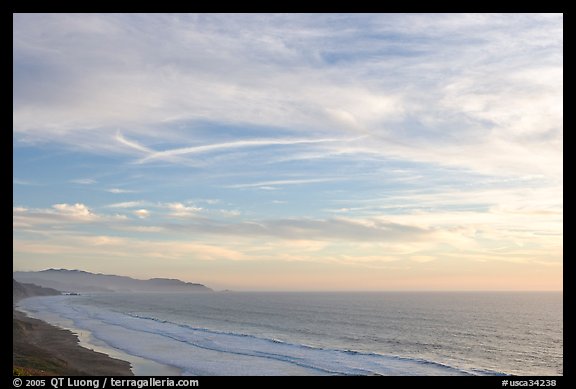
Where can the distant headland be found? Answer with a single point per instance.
(78, 281)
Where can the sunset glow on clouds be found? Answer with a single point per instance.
(285, 152)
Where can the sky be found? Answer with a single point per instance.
(354, 152)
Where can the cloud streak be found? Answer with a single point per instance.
(119, 191)
(84, 181)
(274, 183)
(167, 154)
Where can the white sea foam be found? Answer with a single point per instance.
(200, 351)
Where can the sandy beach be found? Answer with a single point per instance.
(39, 348)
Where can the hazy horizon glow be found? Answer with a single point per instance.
(292, 152)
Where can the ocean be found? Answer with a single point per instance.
(388, 333)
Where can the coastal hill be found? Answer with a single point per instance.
(82, 281)
(22, 290)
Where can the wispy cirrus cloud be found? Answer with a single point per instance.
(119, 190)
(17, 181)
(84, 181)
(167, 154)
(115, 247)
(394, 82)
(128, 204)
(274, 183)
(132, 144)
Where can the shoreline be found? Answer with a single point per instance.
(39, 348)
(42, 348)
